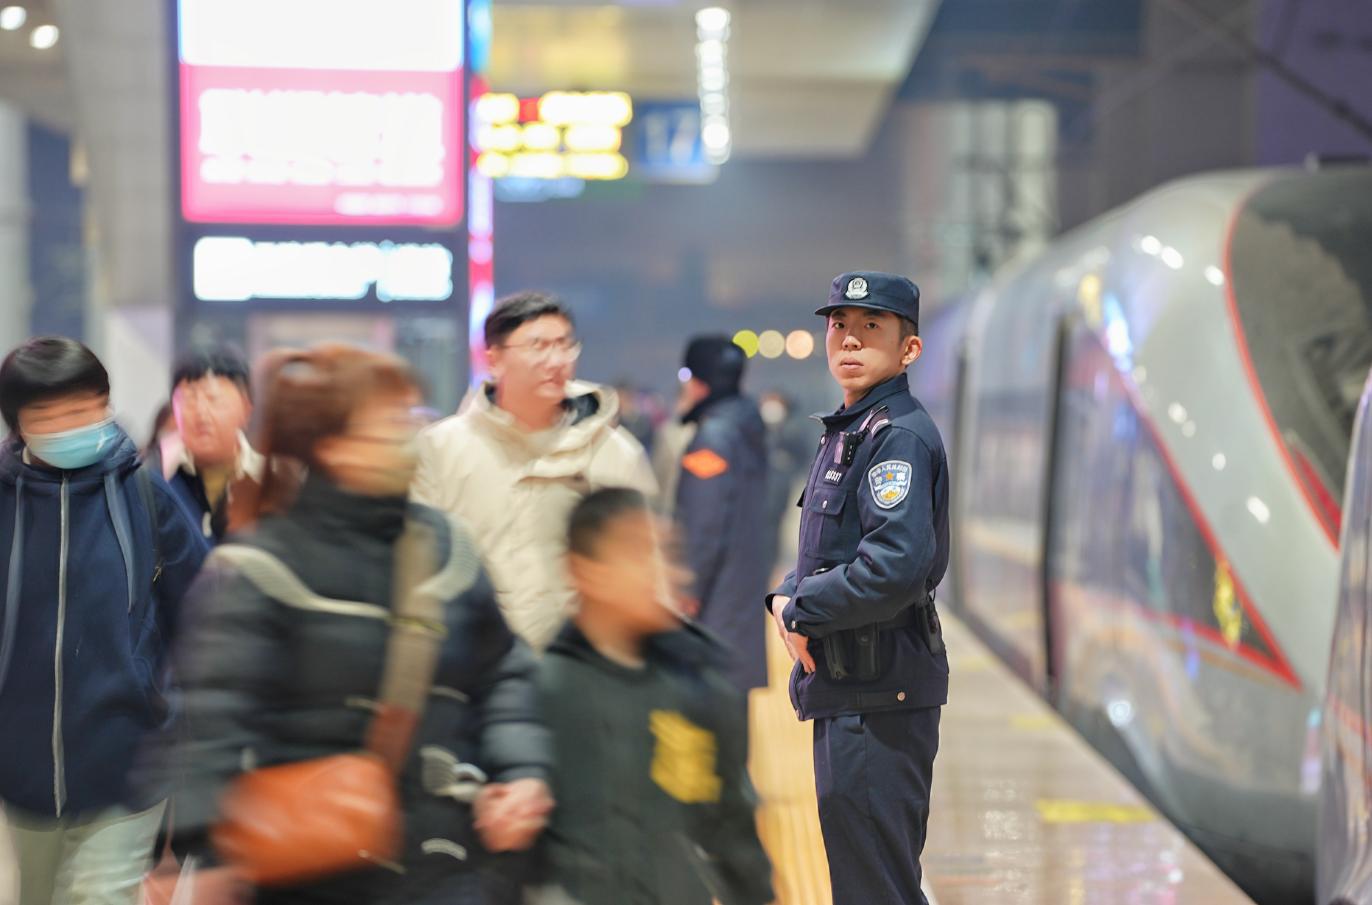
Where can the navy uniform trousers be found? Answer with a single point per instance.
(873, 774)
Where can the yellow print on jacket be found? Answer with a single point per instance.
(685, 758)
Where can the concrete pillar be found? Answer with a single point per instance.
(16, 293)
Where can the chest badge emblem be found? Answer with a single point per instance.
(890, 483)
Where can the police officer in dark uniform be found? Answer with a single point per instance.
(857, 614)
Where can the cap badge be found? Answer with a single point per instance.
(857, 288)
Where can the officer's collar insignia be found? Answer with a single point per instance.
(857, 289)
(890, 483)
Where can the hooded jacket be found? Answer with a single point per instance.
(88, 626)
(516, 490)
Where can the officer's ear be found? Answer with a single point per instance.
(912, 347)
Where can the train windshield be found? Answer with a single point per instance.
(1300, 266)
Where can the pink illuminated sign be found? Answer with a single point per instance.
(306, 112)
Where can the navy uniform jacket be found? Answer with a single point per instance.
(721, 506)
(873, 541)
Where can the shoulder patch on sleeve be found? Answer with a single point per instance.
(705, 464)
(890, 482)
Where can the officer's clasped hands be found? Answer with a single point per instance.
(798, 646)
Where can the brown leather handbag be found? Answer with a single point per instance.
(289, 824)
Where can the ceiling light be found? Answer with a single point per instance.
(712, 21)
(800, 344)
(714, 102)
(713, 79)
(711, 51)
(771, 344)
(44, 37)
(746, 340)
(715, 135)
(712, 83)
(13, 18)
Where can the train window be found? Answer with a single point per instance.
(1155, 555)
(1301, 281)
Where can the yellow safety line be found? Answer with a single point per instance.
(782, 768)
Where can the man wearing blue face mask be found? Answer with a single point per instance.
(94, 557)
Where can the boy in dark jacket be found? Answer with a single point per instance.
(95, 555)
(654, 803)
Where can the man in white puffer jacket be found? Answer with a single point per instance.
(523, 449)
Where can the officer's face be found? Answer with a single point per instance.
(865, 347)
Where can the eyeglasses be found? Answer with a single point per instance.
(565, 348)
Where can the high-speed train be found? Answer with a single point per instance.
(1148, 428)
(1344, 860)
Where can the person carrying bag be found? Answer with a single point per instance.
(346, 672)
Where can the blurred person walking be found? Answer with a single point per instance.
(525, 448)
(655, 806)
(287, 655)
(96, 555)
(721, 504)
(207, 460)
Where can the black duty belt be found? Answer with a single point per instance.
(855, 653)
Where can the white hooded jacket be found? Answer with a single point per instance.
(516, 490)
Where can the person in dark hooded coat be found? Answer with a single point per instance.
(721, 504)
(95, 555)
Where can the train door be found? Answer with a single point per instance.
(1003, 453)
(1344, 852)
(1085, 497)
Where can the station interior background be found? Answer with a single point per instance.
(935, 139)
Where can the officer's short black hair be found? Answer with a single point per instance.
(47, 367)
(225, 361)
(594, 514)
(514, 311)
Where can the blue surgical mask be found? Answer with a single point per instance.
(69, 450)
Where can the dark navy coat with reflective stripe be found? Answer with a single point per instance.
(721, 506)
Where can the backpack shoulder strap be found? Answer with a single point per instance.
(150, 506)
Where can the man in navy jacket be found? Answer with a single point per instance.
(95, 554)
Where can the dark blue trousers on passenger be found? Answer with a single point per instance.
(873, 773)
